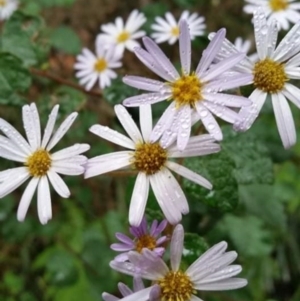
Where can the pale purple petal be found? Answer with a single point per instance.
(143, 83)
(144, 99)
(228, 284)
(185, 47)
(176, 247)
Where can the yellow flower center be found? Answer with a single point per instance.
(149, 158)
(100, 65)
(2, 3)
(176, 286)
(123, 36)
(186, 90)
(277, 5)
(145, 241)
(269, 76)
(38, 163)
(175, 31)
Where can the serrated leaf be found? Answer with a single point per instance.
(219, 170)
(253, 162)
(194, 247)
(248, 235)
(261, 201)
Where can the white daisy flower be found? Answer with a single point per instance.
(168, 29)
(212, 271)
(193, 91)
(123, 35)
(7, 7)
(284, 11)
(271, 75)
(244, 47)
(92, 68)
(151, 160)
(39, 164)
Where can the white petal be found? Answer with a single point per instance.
(44, 201)
(234, 101)
(30, 127)
(228, 284)
(146, 121)
(142, 295)
(58, 184)
(184, 130)
(164, 122)
(50, 125)
(188, 174)
(249, 114)
(62, 130)
(113, 161)
(164, 199)
(284, 120)
(70, 151)
(69, 169)
(260, 32)
(17, 176)
(138, 199)
(185, 47)
(128, 124)
(26, 199)
(292, 93)
(176, 247)
(209, 121)
(15, 136)
(194, 150)
(112, 136)
(147, 98)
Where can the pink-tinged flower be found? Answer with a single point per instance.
(143, 238)
(40, 165)
(210, 272)
(123, 36)
(125, 291)
(152, 162)
(284, 11)
(191, 92)
(271, 75)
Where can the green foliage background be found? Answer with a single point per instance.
(255, 203)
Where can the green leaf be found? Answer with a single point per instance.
(219, 170)
(13, 282)
(248, 235)
(194, 247)
(262, 201)
(14, 79)
(19, 35)
(117, 92)
(251, 156)
(65, 39)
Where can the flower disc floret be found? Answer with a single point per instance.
(149, 158)
(145, 241)
(123, 37)
(186, 90)
(2, 3)
(269, 76)
(100, 65)
(175, 31)
(176, 286)
(39, 163)
(277, 5)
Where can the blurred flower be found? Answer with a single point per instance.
(123, 36)
(284, 11)
(168, 29)
(93, 68)
(210, 272)
(244, 47)
(125, 291)
(196, 91)
(271, 75)
(142, 239)
(39, 163)
(151, 160)
(7, 7)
